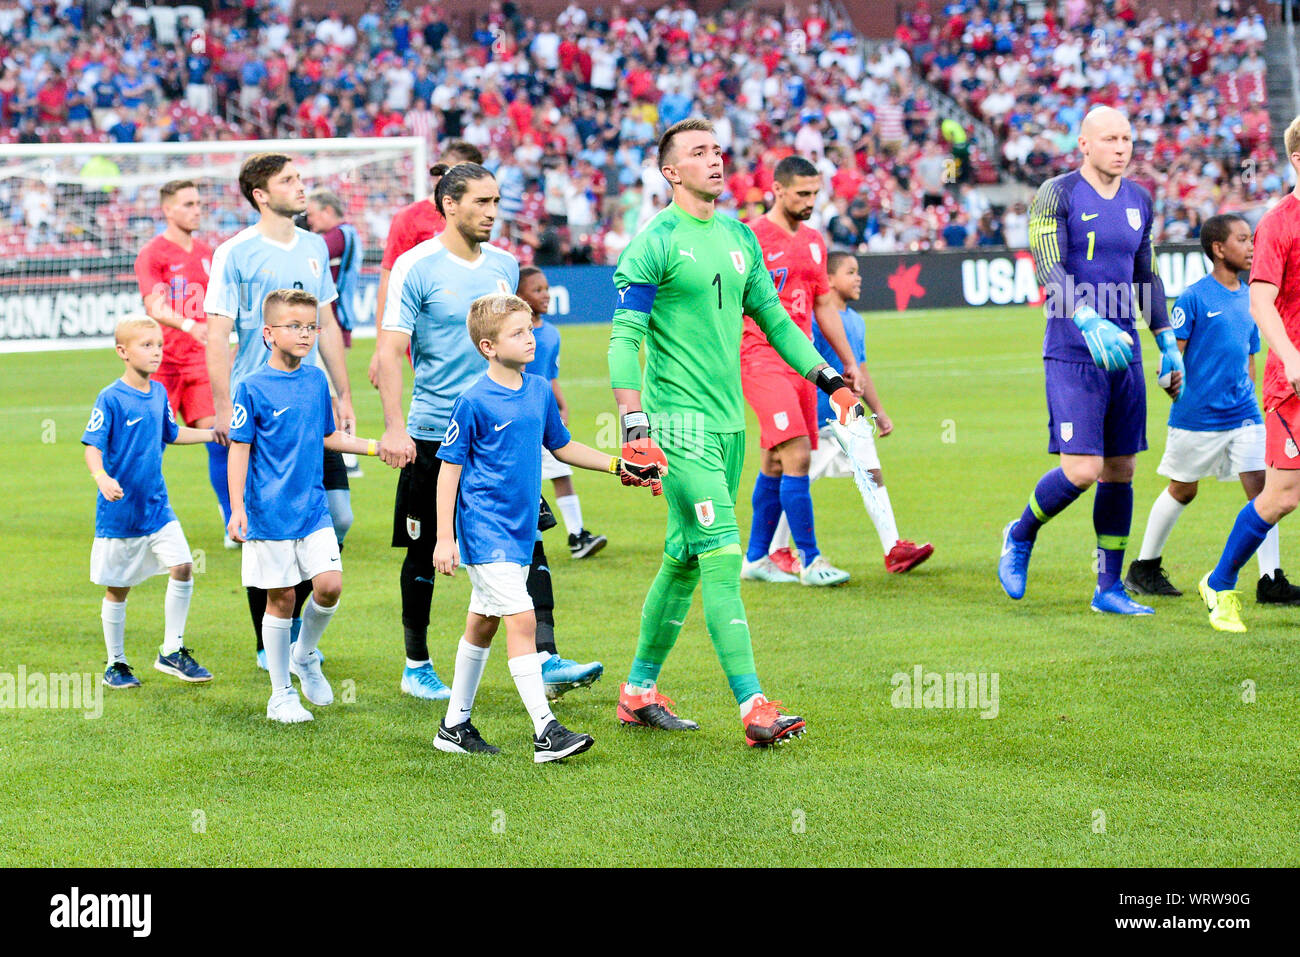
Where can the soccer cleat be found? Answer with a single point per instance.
(285, 708)
(765, 570)
(556, 742)
(1115, 601)
(560, 675)
(118, 675)
(462, 739)
(293, 639)
(314, 686)
(261, 658)
(353, 465)
(182, 665)
(785, 560)
(822, 573)
(585, 544)
(1013, 564)
(652, 710)
(905, 556)
(423, 682)
(231, 544)
(1148, 577)
(1276, 590)
(768, 724)
(1224, 606)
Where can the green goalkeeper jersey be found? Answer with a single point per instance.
(684, 287)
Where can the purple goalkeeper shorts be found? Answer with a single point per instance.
(1093, 412)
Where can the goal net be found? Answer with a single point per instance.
(74, 215)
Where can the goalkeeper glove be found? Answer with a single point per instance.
(843, 401)
(1171, 361)
(1111, 347)
(641, 457)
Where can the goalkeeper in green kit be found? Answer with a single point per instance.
(684, 285)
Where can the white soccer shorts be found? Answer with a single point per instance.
(1192, 456)
(124, 562)
(284, 563)
(829, 461)
(553, 468)
(500, 588)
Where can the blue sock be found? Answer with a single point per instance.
(1112, 517)
(767, 512)
(796, 500)
(1248, 531)
(217, 455)
(1053, 493)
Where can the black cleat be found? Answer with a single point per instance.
(585, 544)
(462, 739)
(1276, 590)
(1148, 577)
(651, 709)
(557, 742)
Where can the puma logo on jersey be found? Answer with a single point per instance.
(1087, 216)
(689, 254)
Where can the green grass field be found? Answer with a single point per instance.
(1116, 742)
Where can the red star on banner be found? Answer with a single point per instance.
(903, 281)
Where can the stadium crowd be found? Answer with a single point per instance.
(567, 112)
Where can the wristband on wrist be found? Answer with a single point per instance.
(829, 381)
(97, 473)
(613, 464)
(372, 447)
(187, 325)
(636, 425)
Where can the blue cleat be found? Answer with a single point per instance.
(1114, 600)
(181, 664)
(561, 675)
(1013, 564)
(118, 675)
(261, 658)
(423, 682)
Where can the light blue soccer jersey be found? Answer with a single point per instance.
(546, 357)
(284, 416)
(1221, 337)
(429, 294)
(855, 331)
(248, 266)
(130, 428)
(497, 434)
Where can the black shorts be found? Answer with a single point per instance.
(336, 473)
(415, 510)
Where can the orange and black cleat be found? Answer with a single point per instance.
(650, 709)
(767, 724)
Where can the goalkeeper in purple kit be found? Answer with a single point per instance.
(1090, 236)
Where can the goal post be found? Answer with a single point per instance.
(73, 216)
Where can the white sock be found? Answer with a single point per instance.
(1164, 514)
(314, 619)
(275, 639)
(417, 664)
(781, 536)
(527, 672)
(747, 705)
(571, 511)
(176, 608)
(113, 616)
(1269, 554)
(883, 519)
(470, 662)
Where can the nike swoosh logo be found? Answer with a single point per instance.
(133, 421)
(739, 621)
(276, 413)
(498, 428)
(178, 267)
(455, 738)
(677, 623)
(1211, 315)
(775, 256)
(333, 559)
(1087, 216)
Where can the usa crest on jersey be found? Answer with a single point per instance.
(738, 260)
(782, 421)
(816, 252)
(1134, 217)
(1067, 431)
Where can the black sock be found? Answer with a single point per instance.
(301, 592)
(539, 590)
(256, 610)
(417, 596)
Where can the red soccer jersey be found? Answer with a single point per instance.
(1277, 261)
(798, 267)
(182, 278)
(411, 226)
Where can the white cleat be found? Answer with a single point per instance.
(285, 707)
(821, 573)
(764, 570)
(314, 686)
(231, 544)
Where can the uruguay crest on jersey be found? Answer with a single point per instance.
(314, 265)
(738, 260)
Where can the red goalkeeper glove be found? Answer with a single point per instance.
(642, 459)
(843, 400)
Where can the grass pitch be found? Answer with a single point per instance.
(1154, 741)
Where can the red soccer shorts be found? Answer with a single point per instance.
(1282, 434)
(189, 392)
(784, 401)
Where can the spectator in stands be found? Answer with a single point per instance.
(1015, 226)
